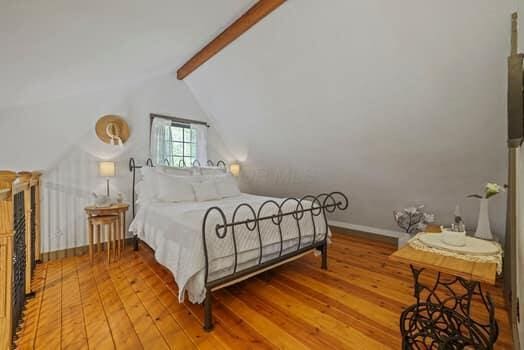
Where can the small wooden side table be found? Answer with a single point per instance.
(119, 211)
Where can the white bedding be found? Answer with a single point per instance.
(174, 231)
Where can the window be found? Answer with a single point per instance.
(177, 143)
(184, 145)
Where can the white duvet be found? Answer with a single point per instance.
(174, 231)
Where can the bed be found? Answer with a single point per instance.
(216, 242)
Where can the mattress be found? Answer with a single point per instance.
(174, 232)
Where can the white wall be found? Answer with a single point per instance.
(393, 102)
(59, 138)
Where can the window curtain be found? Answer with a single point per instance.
(161, 141)
(201, 141)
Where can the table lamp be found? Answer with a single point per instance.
(234, 169)
(106, 169)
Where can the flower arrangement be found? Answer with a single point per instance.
(483, 225)
(490, 190)
(413, 219)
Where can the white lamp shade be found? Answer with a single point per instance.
(106, 169)
(235, 169)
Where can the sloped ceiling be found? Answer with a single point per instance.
(393, 102)
(54, 49)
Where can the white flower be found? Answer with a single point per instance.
(492, 189)
(411, 210)
(398, 215)
(421, 226)
(428, 218)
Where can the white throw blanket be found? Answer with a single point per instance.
(496, 258)
(174, 231)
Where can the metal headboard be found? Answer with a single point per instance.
(149, 162)
(132, 168)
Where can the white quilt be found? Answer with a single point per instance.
(174, 231)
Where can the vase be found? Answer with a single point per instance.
(483, 226)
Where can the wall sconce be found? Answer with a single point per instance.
(234, 169)
(112, 129)
(107, 169)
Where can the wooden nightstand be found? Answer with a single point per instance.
(94, 214)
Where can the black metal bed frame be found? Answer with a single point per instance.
(196, 163)
(220, 163)
(149, 162)
(316, 206)
(305, 208)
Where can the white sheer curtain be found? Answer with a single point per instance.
(201, 141)
(161, 140)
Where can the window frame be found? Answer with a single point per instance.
(178, 122)
(192, 144)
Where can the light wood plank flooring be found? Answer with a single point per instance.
(132, 304)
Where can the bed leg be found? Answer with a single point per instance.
(324, 257)
(208, 316)
(135, 242)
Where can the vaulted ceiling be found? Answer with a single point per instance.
(54, 49)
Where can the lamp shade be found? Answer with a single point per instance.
(106, 169)
(235, 169)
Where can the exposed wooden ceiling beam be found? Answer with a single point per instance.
(258, 11)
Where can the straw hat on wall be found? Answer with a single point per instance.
(112, 129)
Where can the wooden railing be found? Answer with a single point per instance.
(19, 246)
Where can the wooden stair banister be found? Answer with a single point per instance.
(35, 181)
(24, 183)
(14, 185)
(7, 180)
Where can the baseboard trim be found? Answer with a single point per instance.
(389, 236)
(381, 235)
(70, 252)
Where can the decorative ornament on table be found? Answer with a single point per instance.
(458, 224)
(120, 197)
(413, 219)
(456, 235)
(483, 225)
(101, 201)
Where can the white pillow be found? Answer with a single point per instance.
(169, 188)
(144, 192)
(157, 185)
(212, 171)
(177, 171)
(227, 186)
(205, 191)
(144, 188)
(147, 172)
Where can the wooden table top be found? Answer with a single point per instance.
(473, 271)
(113, 207)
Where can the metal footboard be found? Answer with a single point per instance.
(306, 208)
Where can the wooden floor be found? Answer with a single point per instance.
(132, 304)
